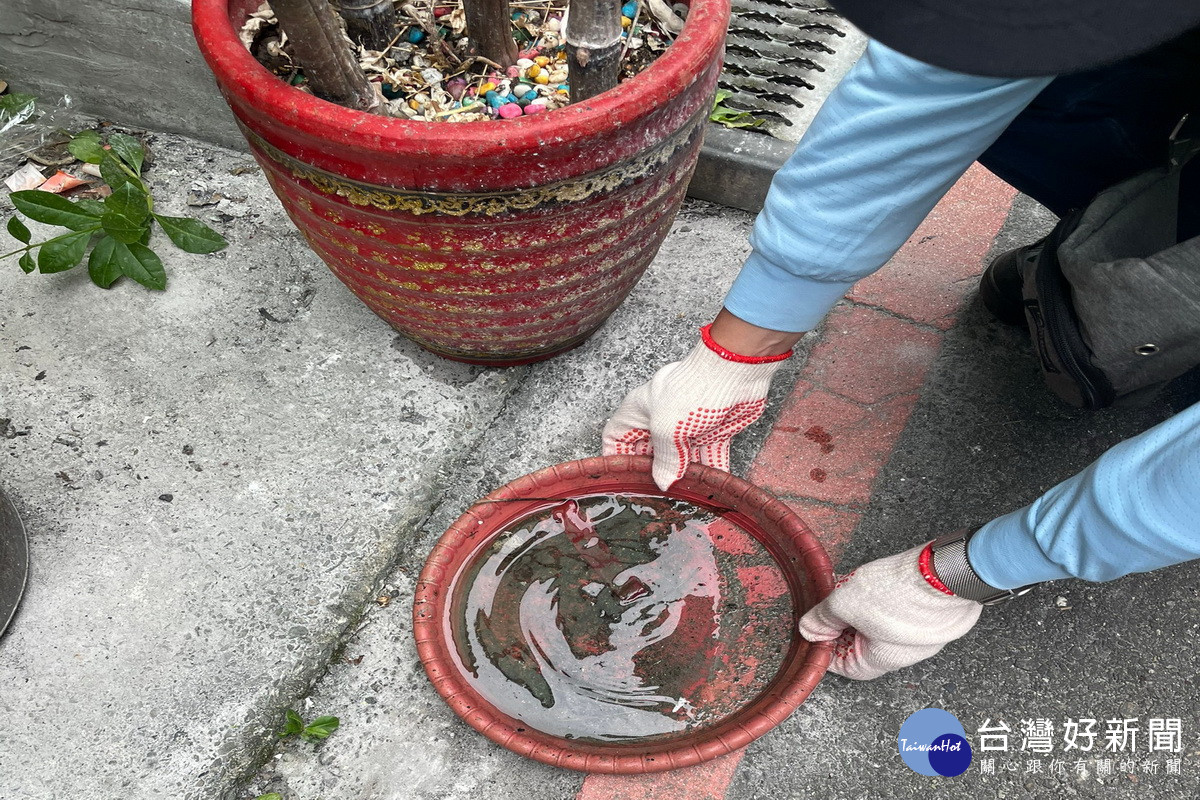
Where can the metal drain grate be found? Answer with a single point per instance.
(783, 58)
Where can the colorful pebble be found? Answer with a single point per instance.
(511, 110)
(535, 108)
(416, 35)
(629, 10)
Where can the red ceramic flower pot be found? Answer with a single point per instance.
(499, 242)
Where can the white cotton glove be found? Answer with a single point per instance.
(691, 409)
(898, 616)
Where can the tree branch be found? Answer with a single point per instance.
(593, 47)
(323, 52)
(371, 23)
(489, 26)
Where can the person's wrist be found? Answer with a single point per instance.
(945, 565)
(731, 334)
(925, 565)
(732, 355)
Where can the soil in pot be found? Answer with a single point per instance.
(427, 72)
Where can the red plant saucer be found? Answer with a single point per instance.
(583, 618)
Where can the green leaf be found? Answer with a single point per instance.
(112, 173)
(63, 253)
(16, 107)
(19, 231)
(294, 724)
(52, 210)
(191, 235)
(320, 728)
(86, 146)
(140, 263)
(103, 267)
(736, 119)
(270, 796)
(127, 213)
(26, 263)
(729, 117)
(92, 207)
(129, 149)
(16, 100)
(129, 201)
(122, 228)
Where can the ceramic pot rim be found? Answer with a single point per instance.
(254, 86)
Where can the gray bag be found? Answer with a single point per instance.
(1113, 302)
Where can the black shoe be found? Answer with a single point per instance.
(1000, 286)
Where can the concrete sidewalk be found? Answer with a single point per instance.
(219, 479)
(223, 482)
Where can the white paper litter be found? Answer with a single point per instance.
(27, 177)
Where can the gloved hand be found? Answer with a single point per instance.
(898, 611)
(691, 409)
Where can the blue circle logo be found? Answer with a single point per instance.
(933, 742)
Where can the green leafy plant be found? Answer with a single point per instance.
(16, 107)
(731, 117)
(117, 229)
(319, 728)
(270, 796)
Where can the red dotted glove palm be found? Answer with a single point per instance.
(691, 409)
